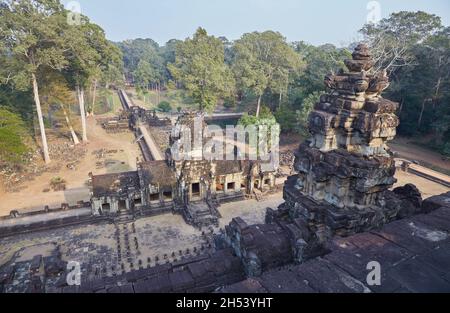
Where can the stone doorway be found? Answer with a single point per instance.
(196, 190)
(106, 208)
(122, 205)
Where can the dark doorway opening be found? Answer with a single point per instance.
(154, 197)
(256, 184)
(138, 202)
(267, 182)
(167, 195)
(122, 205)
(106, 208)
(231, 186)
(196, 190)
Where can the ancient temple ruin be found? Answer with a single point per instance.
(344, 175)
(347, 165)
(192, 185)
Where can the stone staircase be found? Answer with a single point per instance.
(259, 196)
(200, 214)
(124, 217)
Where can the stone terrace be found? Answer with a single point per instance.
(414, 255)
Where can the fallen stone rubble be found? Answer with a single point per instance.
(62, 153)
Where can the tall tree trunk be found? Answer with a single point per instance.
(158, 85)
(94, 94)
(69, 124)
(421, 113)
(80, 93)
(258, 108)
(436, 94)
(401, 106)
(40, 119)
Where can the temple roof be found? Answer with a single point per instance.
(115, 184)
(158, 173)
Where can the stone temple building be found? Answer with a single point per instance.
(347, 164)
(192, 185)
(344, 175)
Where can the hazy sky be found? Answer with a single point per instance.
(314, 21)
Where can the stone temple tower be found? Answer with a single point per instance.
(344, 175)
(346, 167)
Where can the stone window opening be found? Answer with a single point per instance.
(167, 195)
(154, 197)
(231, 186)
(106, 207)
(256, 184)
(138, 201)
(267, 182)
(220, 187)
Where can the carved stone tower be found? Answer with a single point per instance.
(346, 167)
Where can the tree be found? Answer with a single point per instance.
(164, 106)
(264, 61)
(391, 39)
(136, 50)
(168, 55)
(109, 67)
(144, 74)
(306, 109)
(56, 94)
(320, 61)
(414, 46)
(84, 55)
(200, 67)
(12, 132)
(30, 32)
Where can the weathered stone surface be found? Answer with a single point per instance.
(346, 168)
(344, 176)
(260, 247)
(411, 200)
(436, 202)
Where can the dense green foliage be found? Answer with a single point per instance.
(164, 106)
(36, 41)
(415, 48)
(200, 67)
(264, 62)
(42, 55)
(12, 136)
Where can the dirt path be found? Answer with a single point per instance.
(426, 187)
(33, 196)
(409, 151)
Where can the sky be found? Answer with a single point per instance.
(314, 21)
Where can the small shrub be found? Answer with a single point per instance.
(164, 106)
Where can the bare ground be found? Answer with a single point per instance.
(405, 149)
(32, 196)
(426, 187)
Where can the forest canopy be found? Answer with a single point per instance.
(48, 64)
